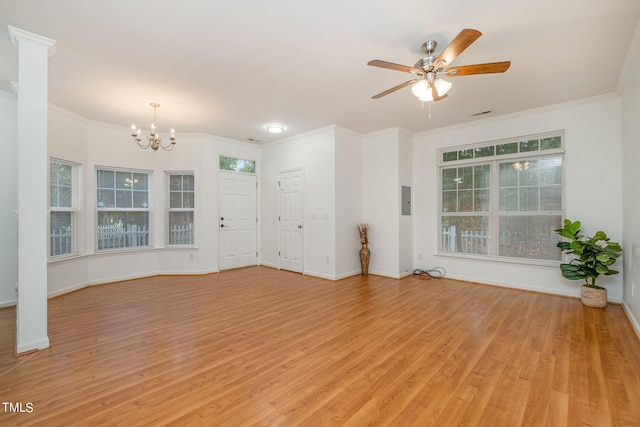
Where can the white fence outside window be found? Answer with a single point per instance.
(114, 236)
(470, 242)
(181, 234)
(61, 241)
(513, 244)
(117, 236)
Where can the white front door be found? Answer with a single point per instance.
(238, 220)
(291, 232)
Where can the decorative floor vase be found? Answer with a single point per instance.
(364, 259)
(592, 297)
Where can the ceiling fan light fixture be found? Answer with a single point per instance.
(442, 86)
(421, 89)
(427, 97)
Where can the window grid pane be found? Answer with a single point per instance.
(466, 189)
(465, 234)
(237, 165)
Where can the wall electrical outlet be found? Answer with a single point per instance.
(326, 259)
(192, 256)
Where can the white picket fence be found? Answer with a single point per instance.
(114, 236)
(61, 241)
(117, 236)
(181, 235)
(470, 242)
(512, 243)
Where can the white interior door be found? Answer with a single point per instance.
(238, 220)
(291, 232)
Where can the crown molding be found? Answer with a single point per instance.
(17, 35)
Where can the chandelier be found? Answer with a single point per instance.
(154, 140)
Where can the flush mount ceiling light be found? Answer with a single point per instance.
(275, 128)
(154, 141)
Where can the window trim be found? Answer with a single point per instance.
(494, 214)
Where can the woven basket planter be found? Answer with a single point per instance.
(594, 297)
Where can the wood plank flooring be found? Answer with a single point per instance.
(258, 346)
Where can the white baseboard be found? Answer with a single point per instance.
(632, 319)
(8, 303)
(38, 344)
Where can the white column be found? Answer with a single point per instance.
(31, 312)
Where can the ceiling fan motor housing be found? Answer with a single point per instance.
(429, 47)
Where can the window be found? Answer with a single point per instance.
(62, 208)
(503, 199)
(237, 165)
(181, 208)
(123, 208)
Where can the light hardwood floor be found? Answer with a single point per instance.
(258, 346)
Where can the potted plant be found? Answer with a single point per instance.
(594, 256)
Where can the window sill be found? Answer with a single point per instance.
(178, 248)
(75, 256)
(66, 257)
(501, 260)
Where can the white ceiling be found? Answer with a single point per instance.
(229, 67)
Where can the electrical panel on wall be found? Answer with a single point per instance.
(406, 200)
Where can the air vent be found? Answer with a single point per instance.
(253, 140)
(481, 113)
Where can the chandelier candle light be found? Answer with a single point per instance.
(154, 140)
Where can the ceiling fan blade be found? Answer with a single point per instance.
(393, 89)
(456, 47)
(465, 70)
(392, 66)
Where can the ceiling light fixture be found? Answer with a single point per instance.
(154, 141)
(275, 128)
(423, 88)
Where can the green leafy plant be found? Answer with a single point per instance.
(594, 254)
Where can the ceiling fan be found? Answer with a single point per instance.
(429, 84)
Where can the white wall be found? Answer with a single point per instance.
(9, 196)
(92, 144)
(592, 188)
(630, 88)
(405, 177)
(381, 189)
(314, 153)
(349, 199)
